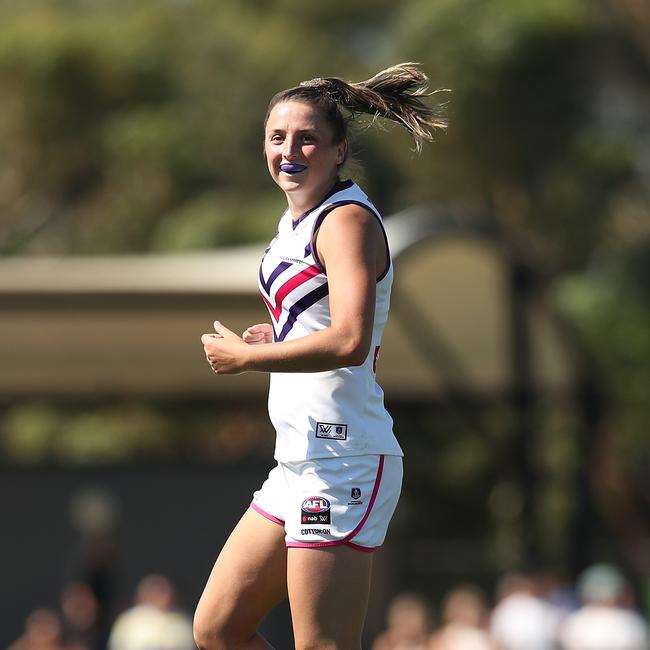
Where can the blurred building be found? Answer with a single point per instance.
(463, 325)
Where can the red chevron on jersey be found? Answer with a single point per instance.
(291, 284)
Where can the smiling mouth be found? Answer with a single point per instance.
(292, 168)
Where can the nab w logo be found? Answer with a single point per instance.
(331, 430)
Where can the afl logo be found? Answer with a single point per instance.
(317, 505)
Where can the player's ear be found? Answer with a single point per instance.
(342, 152)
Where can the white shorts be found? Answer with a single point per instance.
(329, 501)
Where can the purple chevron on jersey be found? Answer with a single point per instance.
(304, 303)
(297, 280)
(280, 268)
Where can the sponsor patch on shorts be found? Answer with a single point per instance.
(331, 430)
(315, 531)
(315, 510)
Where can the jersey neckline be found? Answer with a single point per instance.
(338, 186)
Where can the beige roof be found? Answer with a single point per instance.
(131, 324)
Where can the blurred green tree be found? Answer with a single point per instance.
(137, 127)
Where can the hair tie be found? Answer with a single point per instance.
(317, 82)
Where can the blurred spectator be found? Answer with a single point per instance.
(153, 623)
(603, 623)
(94, 513)
(464, 613)
(80, 610)
(555, 590)
(42, 632)
(409, 624)
(521, 619)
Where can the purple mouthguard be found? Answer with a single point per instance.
(292, 168)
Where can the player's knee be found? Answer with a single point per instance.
(219, 629)
(202, 636)
(209, 632)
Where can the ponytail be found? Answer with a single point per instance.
(394, 93)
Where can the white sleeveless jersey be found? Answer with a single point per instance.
(336, 412)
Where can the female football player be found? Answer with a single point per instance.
(325, 278)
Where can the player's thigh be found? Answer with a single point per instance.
(328, 593)
(248, 579)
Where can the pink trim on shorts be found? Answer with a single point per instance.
(342, 542)
(269, 516)
(349, 536)
(365, 549)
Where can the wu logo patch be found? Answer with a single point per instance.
(355, 493)
(331, 430)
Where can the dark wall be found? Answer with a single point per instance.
(172, 520)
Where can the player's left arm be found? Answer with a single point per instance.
(347, 245)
